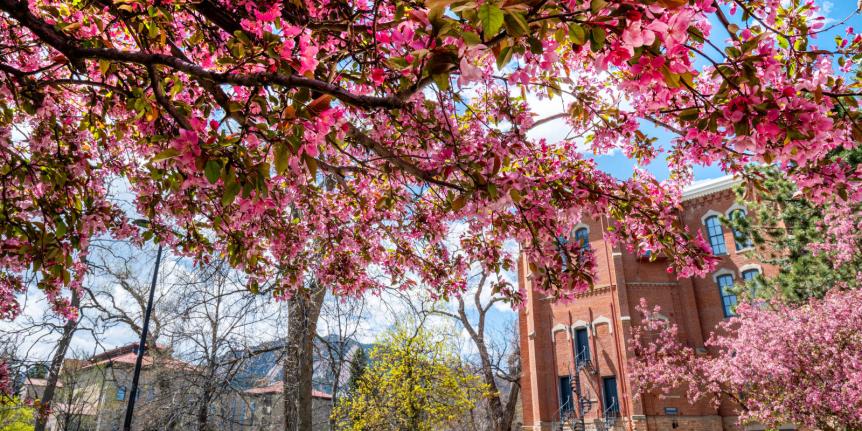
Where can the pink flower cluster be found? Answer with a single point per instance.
(777, 364)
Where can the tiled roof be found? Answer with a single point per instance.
(278, 387)
(41, 382)
(130, 358)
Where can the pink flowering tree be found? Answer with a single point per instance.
(778, 364)
(344, 138)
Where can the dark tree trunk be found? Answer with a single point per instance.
(56, 367)
(303, 311)
(202, 416)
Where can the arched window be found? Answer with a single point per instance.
(742, 240)
(582, 236)
(728, 298)
(121, 393)
(750, 274)
(715, 235)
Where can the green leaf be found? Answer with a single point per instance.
(516, 24)
(212, 170)
(61, 228)
(597, 39)
(596, 6)
(442, 81)
(689, 114)
(577, 34)
(104, 66)
(492, 190)
(470, 38)
(491, 18)
(281, 158)
(230, 191)
(515, 194)
(166, 154)
(504, 57)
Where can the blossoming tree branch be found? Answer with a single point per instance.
(344, 138)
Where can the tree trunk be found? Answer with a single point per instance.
(303, 311)
(511, 404)
(56, 366)
(496, 415)
(202, 417)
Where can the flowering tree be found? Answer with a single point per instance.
(342, 138)
(413, 382)
(815, 248)
(781, 364)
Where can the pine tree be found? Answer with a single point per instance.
(784, 227)
(358, 364)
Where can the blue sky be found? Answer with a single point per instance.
(620, 166)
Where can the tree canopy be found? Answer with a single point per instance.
(412, 382)
(779, 364)
(345, 138)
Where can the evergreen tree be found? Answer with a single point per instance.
(358, 364)
(786, 229)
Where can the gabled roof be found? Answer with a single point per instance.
(127, 355)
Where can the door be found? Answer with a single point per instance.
(609, 392)
(582, 345)
(566, 404)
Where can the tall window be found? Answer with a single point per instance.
(582, 345)
(609, 395)
(741, 240)
(716, 235)
(566, 402)
(728, 298)
(748, 276)
(121, 393)
(582, 236)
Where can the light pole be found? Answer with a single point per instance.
(130, 408)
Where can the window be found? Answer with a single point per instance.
(582, 236)
(611, 402)
(121, 393)
(582, 345)
(716, 235)
(728, 298)
(742, 241)
(566, 402)
(749, 275)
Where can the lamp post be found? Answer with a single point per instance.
(130, 408)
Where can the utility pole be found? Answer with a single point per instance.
(130, 408)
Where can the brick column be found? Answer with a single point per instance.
(541, 401)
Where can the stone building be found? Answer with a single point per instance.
(262, 409)
(575, 355)
(102, 388)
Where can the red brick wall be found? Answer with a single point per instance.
(622, 280)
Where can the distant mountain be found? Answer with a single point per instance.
(262, 364)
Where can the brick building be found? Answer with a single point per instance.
(582, 346)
